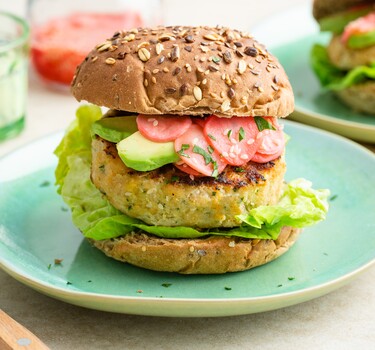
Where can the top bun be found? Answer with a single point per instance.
(324, 8)
(184, 70)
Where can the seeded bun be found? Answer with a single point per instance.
(196, 256)
(324, 8)
(184, 70)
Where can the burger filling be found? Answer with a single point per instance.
(349, 58)
(181, 177)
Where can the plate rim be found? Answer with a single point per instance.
(288, 298)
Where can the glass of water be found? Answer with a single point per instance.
(14, 37)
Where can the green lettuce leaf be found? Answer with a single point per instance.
(96, 218)
(333, 78)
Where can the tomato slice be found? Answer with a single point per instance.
(234, 138)
(362, 25)
(187, 169)
(162, 128)
(58, 46)
(197, 153)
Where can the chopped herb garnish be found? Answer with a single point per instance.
(203, 153)
(184, 147)
(263, 124)
(49, 266)
(326, 254)
(166, 285)
(215, 173)
(229, 133)
(239, 170)
(64, 209)
(213, 194)
(175, 178)
(279, 285)
(89, 281)
(211, 137)
(333, 197)
(44, 184)
(227, 288)
(139, 291)
(69, 283)
(291, 278)
(210, 149)
(102, 167)
(241, 134)
(216, 59)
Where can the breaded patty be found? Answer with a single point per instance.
(346, 58)
(169, 197)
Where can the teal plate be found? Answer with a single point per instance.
(36, 229)
(313, 104)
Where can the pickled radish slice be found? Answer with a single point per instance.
(186, 169)
(234, 138)
(197, 153)
(162, 128)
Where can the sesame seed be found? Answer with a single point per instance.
(155, 71)
(93, 59)
(191, 177)
(145, 83)
(143, 248)
(197, 92)
(161, 59)
(204, 81)
(165, 70)
(153, 80)
(274, 87)
(191, 249)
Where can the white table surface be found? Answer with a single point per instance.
(344, 319)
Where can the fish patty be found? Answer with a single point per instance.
(170, 197)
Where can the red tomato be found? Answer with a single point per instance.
(361, 25)
(162, 128)
(58, 46)
(234, 138)
(195, 151)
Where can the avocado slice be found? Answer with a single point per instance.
(141, 154)
(336, 23)
(360, 41)
(115, 129)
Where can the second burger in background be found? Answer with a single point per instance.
(346, 66)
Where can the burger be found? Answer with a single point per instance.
(184, 172)
(346, 66)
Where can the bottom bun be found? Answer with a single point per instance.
(211, 255)
(360, 97)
